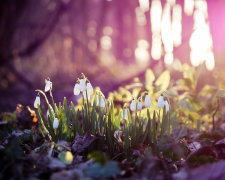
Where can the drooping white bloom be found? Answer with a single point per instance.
(37, 101)
(166, 104)
(101, 102)
(82, 85)
(147, 101)
(55, 123)
(125, 114)
(76, 89)
(89, 89)
(48, 85)
(139, 105)
(160, 103)
(133, 105)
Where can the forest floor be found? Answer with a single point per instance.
(25, 154)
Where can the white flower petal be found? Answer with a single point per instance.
(166, 104)
(76, 89)
(48, 85)
(133, 105)
(82, 85)
(89, 89)
(55, 123)
(139, 105)
(147, 101)
(37, 101)
(160, 103)
(102, 102)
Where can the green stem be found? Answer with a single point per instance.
(53, 102)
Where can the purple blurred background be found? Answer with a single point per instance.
(61, 39)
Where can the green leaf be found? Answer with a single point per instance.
(98, 157)
(189, 73)
(194, 117)
(149, 78)
(148, 128)
(170, 93)
(154, 127)
(207, 89)
(117, 119)
(196, 104)
(43, 122)
(185, 105)
(183, 131)
(164, 80)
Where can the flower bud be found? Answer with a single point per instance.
(133, 105)
(76, 89)
(55, 123)
(101, 102)
(48, 85)
(82, 85)
(139, 105)
(89, 89)
(147, 101)
(166, 104)
(37, 101)
(160, 103)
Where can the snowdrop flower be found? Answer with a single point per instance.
(55, 123)
(89, 89)
(101, 102)
(147, 101)
(37, 101)
(160, 103)
(139, 105)
(133, 105)
(125, 114)
(48, 85)
(82, 85)
(76, 89)
(166, 104)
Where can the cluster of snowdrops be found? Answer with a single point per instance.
(84, 87)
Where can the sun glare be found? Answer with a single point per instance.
(106, 42)
(200, 42)
(189, 7)
(141, 52)
(166, 28)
